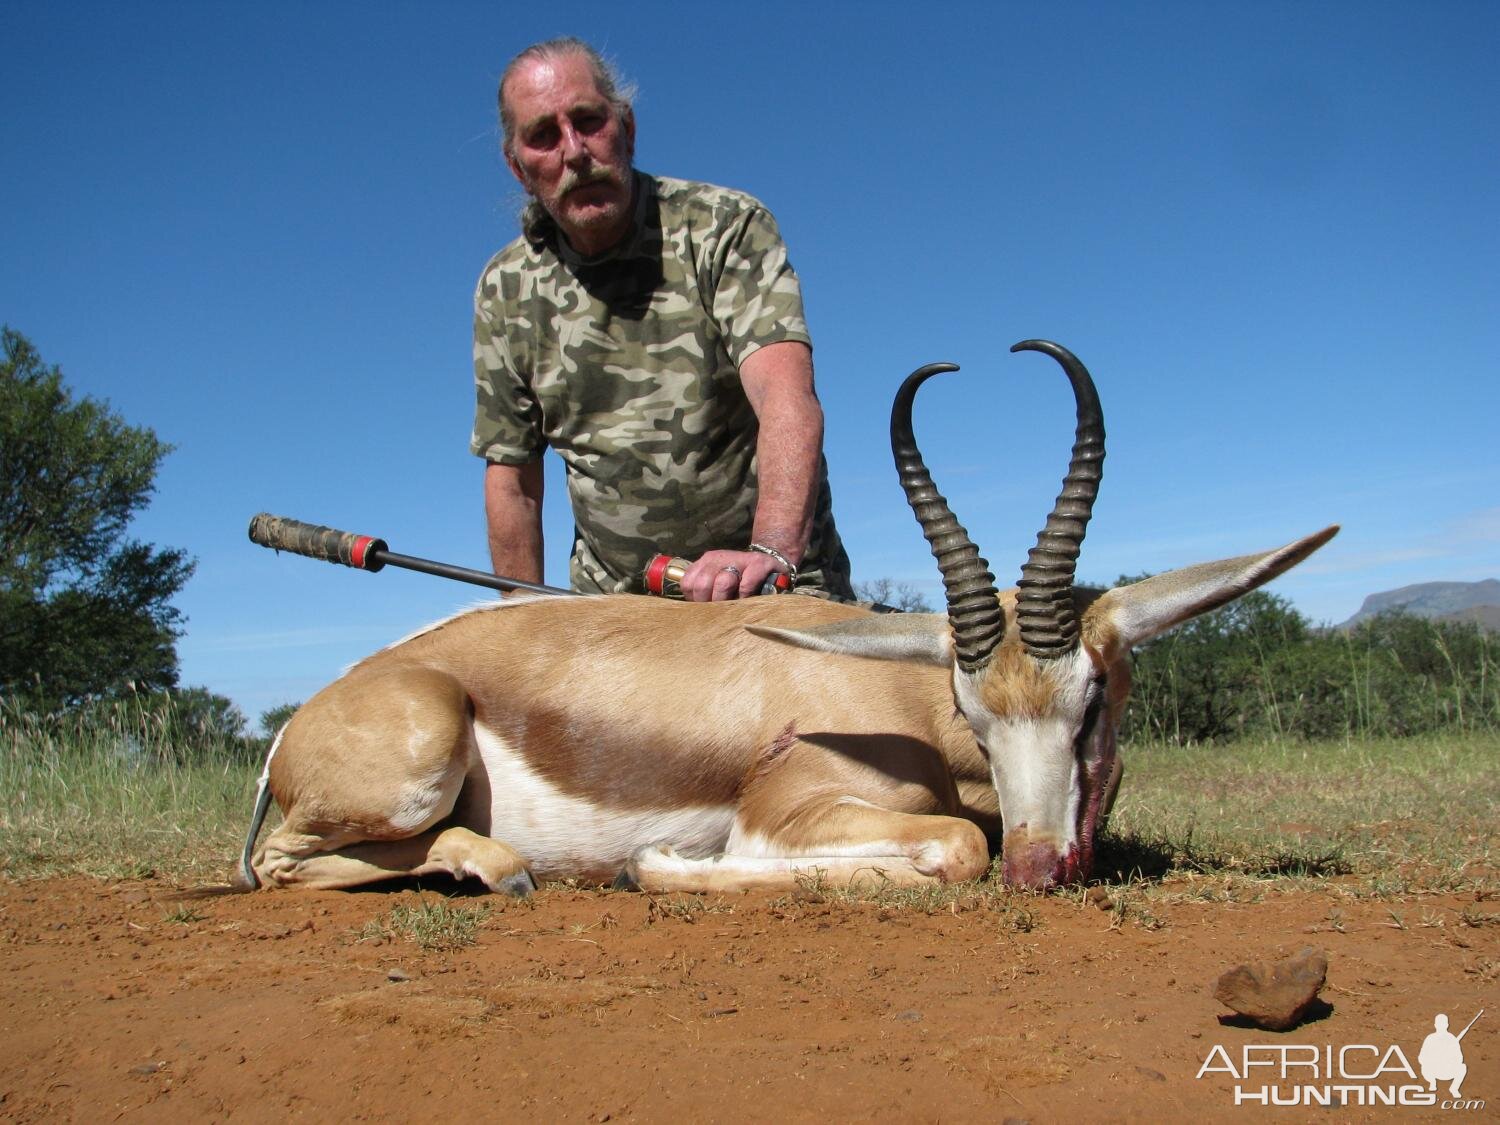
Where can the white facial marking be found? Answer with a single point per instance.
(1033, 764)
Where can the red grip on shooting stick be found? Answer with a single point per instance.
(317, 542)
(664, 574)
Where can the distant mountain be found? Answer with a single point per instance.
(1465, 601)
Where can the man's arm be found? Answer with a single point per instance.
(513, 512)
(778, 381)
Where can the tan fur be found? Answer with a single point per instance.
(629, 704)
(1100, 637)
(1017, 687)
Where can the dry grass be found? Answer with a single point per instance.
(1386, 818)
(97, 800)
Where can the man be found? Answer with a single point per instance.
(650, 330)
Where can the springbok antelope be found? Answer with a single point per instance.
(732, 745)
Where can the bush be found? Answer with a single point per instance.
(1258, 668)
(143, 729)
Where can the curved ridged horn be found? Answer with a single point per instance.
(1044, 607)
(973, 608)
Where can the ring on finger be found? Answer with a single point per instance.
(734, 570)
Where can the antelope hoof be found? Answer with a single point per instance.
(519, 885)
(625, 881)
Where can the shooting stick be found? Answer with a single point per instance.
(364, 552)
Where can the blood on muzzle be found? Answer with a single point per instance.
(1035, 865)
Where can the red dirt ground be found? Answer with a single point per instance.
(586, 1006)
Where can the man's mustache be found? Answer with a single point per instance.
(572, 180)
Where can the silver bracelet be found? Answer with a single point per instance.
(788, 567)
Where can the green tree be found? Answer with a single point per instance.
(1411, 674)
(208, 715)
(273, 719)
(1214, 678)
(1258, 668)
(159, 727)
(83, 610)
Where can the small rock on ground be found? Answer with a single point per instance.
(1275, 995)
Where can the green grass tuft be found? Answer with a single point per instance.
(431, 924)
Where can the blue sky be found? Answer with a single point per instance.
(1269, 229)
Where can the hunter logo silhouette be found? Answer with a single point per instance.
(1442, 1058)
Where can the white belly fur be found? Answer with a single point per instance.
(562, 835)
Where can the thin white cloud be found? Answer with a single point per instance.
(1482, 526)
(1356, 562)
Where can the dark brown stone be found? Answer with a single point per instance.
(1275, 995)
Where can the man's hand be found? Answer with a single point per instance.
(721, 576)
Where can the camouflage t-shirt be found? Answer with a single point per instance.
(628, 366)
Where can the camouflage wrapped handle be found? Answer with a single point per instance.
(362, 552)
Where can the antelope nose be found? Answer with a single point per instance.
(1034, 866)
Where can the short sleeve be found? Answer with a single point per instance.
(507, 418)
(757, 297)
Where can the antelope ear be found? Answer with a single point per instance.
(1134, 614)
(919, 637)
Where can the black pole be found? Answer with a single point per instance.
(463, 573)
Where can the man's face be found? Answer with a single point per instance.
(571, 150)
